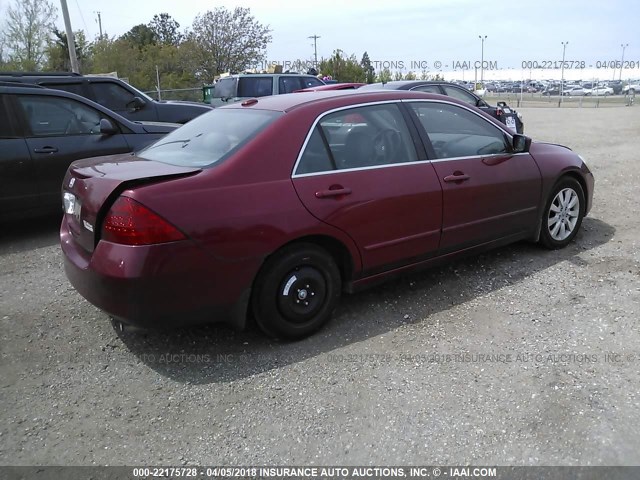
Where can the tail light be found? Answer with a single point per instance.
(130, 223)
(499, 111)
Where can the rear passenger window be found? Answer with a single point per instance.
(255, 86)
(289, 84)
(316, 158)
(371, 136)
(311, 82)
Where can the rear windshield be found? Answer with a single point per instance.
(209, 138)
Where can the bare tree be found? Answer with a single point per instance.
(28, 28)
(223, 40)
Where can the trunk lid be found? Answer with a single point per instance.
(92, 185)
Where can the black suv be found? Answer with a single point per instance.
(43, 130)
(113, 94)
(502, 112)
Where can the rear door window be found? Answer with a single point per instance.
(370, 136)
(290, 84)
(255, 86)
(310, 82)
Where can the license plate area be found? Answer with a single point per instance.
(73, 209)
(510, 122)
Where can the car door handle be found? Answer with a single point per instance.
(456, 177)
(46, 150)
(333, 192)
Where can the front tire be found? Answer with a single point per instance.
(296, 292)
(563, 214)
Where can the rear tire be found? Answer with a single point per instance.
(296, 291)
(562, 214)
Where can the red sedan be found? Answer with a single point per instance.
(274, 207)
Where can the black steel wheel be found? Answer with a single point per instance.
(296, 291)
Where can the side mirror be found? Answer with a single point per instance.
(107, 127)
(136, 104)
(521, 143)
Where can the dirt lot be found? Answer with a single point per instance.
(402, 375)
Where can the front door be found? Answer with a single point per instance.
(488, 191)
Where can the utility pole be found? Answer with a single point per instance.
(70, 40)
(624, 47)
(564, 49)
(100, 24)
(481, 60)
(315, 49)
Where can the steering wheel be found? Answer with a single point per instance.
(386, 145)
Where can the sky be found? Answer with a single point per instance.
(418, 33)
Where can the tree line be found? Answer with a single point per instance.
(218, 41)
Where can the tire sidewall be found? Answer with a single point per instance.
(268, 283)
(545, 236)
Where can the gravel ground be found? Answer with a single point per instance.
(402, 375)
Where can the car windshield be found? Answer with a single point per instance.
(209, 138)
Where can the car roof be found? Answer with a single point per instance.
(290, 101)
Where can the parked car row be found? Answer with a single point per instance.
(602, 89)
(273, 206)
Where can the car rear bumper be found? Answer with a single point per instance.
(158, 286)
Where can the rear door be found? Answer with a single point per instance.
(488, 191)
(362, 171)
(18, 185)
(59, 131)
